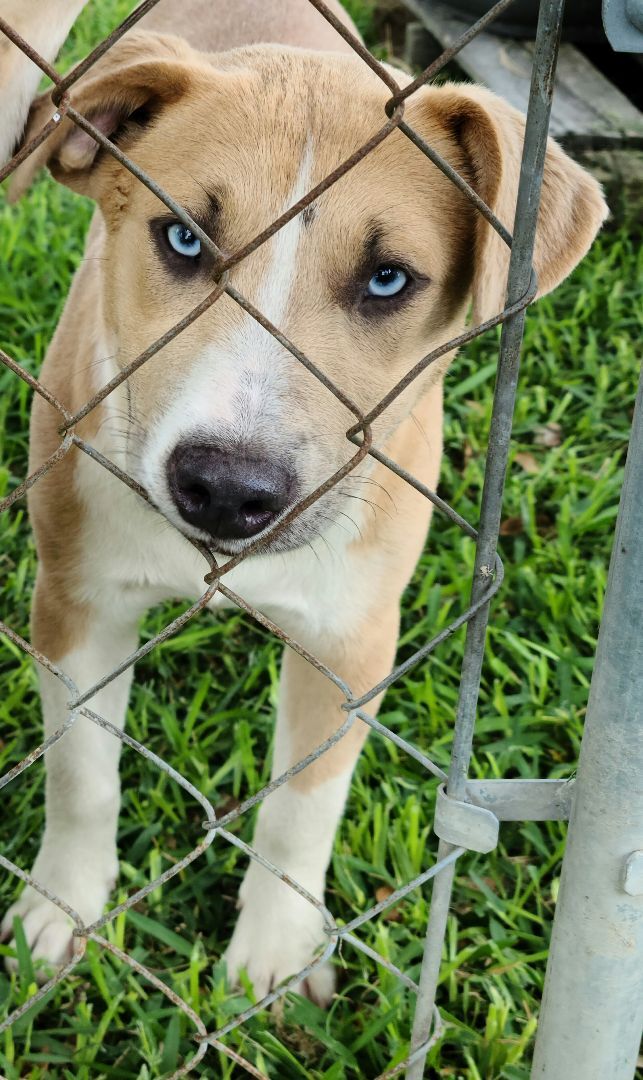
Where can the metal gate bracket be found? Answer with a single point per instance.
(523, 800)
(465, 825)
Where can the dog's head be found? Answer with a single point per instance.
(228, 430)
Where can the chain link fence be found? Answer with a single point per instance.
(468, 813)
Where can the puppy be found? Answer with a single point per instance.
(237, 119)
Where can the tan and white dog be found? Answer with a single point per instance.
(225, 429)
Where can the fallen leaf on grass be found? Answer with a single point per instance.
(515, 526)
(549, 435)
(527, 461)
(392, 914)
(512, 526)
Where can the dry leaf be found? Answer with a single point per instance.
(392, 914)
(227, 806)
(515, 526)
(546, 526)
(512, 526)
(383, 893)
(528, 462)
(549, 435)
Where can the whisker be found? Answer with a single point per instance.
(420, 428)
(374, 506)
(353, 522)
(310, 545)
(322, 536)
(338, 523)
(370, 480)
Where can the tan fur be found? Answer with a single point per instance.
(571, 205)
(163, 304)
(366, 654)
(251, 22)
(60, 612)
(45, 24)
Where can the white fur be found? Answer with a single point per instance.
(312, 591)
(278, 930)
(77, 860)
(44, 27)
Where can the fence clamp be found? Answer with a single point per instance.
(465, 825)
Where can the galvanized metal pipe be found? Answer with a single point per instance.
(520, 270)
(592, 1011)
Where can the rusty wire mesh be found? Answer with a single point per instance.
(214, 581)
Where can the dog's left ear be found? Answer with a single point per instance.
(139, 75)
(487, 138)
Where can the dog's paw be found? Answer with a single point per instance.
(47, 928)
(83, 885)
(277, 935)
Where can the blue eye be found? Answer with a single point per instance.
(387, 281)
(183, 240)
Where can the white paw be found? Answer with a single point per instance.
(277, 934)
(83, 883)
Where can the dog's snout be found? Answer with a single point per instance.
(227, 495)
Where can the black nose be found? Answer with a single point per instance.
(227, 495)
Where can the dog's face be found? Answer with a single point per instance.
(227, 429)
(363, 283)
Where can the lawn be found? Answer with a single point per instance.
(204, 701)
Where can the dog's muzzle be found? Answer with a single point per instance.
(227, 495)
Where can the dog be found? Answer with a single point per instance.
(237, 118)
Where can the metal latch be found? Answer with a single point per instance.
(465, 825)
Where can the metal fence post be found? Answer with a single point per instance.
(592, 1011)
(520, 271)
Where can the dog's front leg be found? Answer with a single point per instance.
(278, 931)
(77, 860)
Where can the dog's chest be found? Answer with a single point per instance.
(130, 552)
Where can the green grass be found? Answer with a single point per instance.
(205, 701)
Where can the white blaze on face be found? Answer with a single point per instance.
(276, 287)
(236, 387)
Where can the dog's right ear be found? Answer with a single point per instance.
(119, 95)
(489, 134)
